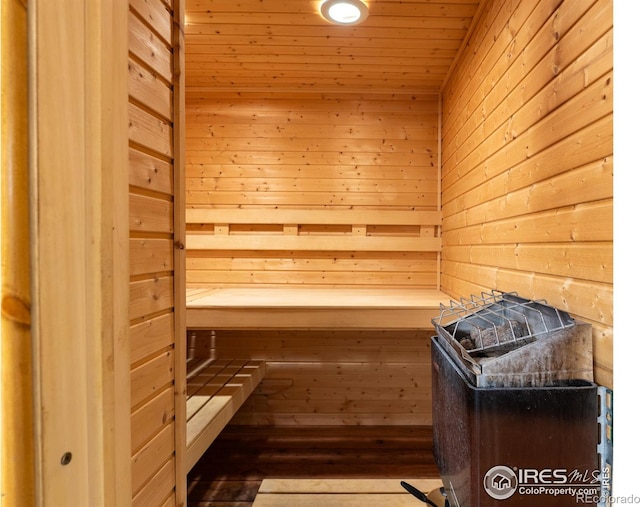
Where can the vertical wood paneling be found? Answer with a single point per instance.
(179, 496)
(155, 309)
(78, 185)
(312, 151)
(527, 154)
(17, 458)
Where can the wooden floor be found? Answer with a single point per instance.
(231, 471)
(341, 492)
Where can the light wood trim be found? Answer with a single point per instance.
(179, 231)
(334, 217)
(80, 251)
(17, 458)
(341, 243)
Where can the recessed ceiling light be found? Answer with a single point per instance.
(344, 12)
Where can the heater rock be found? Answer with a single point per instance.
(495, 335)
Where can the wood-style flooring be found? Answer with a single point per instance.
(230, 472)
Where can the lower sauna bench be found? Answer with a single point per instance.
(215, 391)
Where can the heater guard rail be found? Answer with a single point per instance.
(497, 319)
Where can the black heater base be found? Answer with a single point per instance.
(508, 447)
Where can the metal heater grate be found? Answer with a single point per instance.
(498, 319)
(487, 335)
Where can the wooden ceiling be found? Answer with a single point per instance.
(404, 46)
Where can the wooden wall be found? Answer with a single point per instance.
(312, 151)
(526, 189)
(527, 161)
(333, 377)
(157, 357)
(307, 152)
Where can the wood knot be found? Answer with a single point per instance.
(16, 309)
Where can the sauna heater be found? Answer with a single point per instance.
(518, 420)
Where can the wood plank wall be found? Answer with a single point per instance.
(333, 377)
(527, 161)
(157, 359)
(311, 151)
(314, 151)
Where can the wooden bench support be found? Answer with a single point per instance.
(214, 394)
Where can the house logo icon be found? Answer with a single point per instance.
(500, 482)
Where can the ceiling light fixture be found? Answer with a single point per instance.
(344, 12)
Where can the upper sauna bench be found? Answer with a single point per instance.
(313, 308)
(378, 234)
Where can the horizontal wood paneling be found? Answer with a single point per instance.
(300, 199)
(314, 243)
(148, 460)
(148, 130)
(159, 490)
(150, 336)
(403, 47)
(527, 154)
(148, 379)
(156, 418)
(335, 268)
(151, 214)
(526, 181)
(146, 46)
(369, 155)
(150, 91)
(150, 296)
(150, 256)
(148, 420)
(361, 153)
(150, 173)
(335, 377)
(156, 16)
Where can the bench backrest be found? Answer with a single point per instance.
(312, 247)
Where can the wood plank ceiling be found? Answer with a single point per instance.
(405, 46)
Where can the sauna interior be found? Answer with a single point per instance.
(294, 200)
